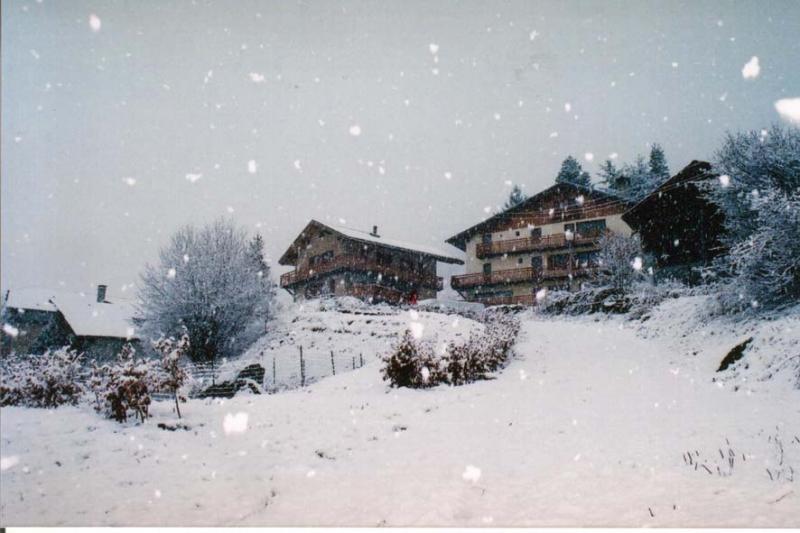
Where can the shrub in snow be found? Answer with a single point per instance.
(413, 363)
(47, 380)
(620, 261)
(211, 283)
(124, 386)
(172, 376)
(760, 198)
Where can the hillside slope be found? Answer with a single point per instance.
(592, 425)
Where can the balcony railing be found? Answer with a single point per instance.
(522, 299)
(517, 275)
(529, 244)
(361, 264)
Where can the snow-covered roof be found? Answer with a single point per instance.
(33, 299)
(85, 315)
(364, 236)
(89, 318)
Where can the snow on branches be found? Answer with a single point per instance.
(414, 364)
(47, 380)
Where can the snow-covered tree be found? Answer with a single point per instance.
(758, 191)
(255, 251)
(640, 181)
(572, 172)
(659, 171)
(612, 179)
(206, 284)
(515, 198)
(621, 261)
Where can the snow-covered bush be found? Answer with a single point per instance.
(759, 193)
(212, 283)
(172, 376)
(411, 364)
(621, 261)
(124, 386)
(414, 364)
(47, 380)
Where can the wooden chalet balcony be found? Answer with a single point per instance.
(529, 244)
(516, 275)
(360, 264)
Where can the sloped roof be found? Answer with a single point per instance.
(459, 239)
(34, 299)
(90, 318)
(694, 172)
(85, 315)
(290, 255)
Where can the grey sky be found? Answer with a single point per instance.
(164, 89)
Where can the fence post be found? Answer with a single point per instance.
(333, 365)
(302, 369)
(361, 359)
(354, 362)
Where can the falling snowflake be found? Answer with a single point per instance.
(8, 462)
(252, 166)
(553, 134)
(589, 156)
(471, 473)
(311, 473)
(355, 130)
(541, 294)
(580, 200)
(230, 209)
(417, 329)
(789, 109)
(751, 69)
(129, 181)
(613, 155)
(235, 423)
(567, 107)
(157, 493)
(255, 77)
(297, 165)
(725, 180)
(637, 263)
(171, 273)
(192, 178)
(434, 48)
(94, 22)
(533, 35)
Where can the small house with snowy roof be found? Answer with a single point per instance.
(340, 261)
(36, 320)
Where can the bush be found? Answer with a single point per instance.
(47, 380)
(124, 386)
(172, 376)
(413, 364)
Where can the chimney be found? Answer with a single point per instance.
(101, 293)
(375, 231)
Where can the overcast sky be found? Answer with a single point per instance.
(411, 115)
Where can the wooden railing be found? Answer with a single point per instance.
(361, 264)
(517, 275)
(522, 299)
(527, 244)
(544, 216)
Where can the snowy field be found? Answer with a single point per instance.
(597, 422)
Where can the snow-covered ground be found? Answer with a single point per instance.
(597, 422)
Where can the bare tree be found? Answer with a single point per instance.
(207, 282)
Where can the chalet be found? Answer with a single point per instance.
(548, 240)
(678, 225)
(44, 319)
(339, 261)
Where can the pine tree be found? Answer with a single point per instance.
(572, 172)
(612, 178)
(659, 171)
(515, 198)
(640, 181)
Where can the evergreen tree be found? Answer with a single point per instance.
(611, 177)
(515, 198)
(659, 171)
(572, 172)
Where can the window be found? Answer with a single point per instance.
(569, 227)
(487, 238)
(487, 268)
(587, 259)
(536, 262)
(519, 261)
(591, 228)
(558, 261)
(516, 233)
(536, 233)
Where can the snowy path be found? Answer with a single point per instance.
(589, 426)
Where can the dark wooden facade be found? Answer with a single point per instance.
(678, 225)
(332, 261)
